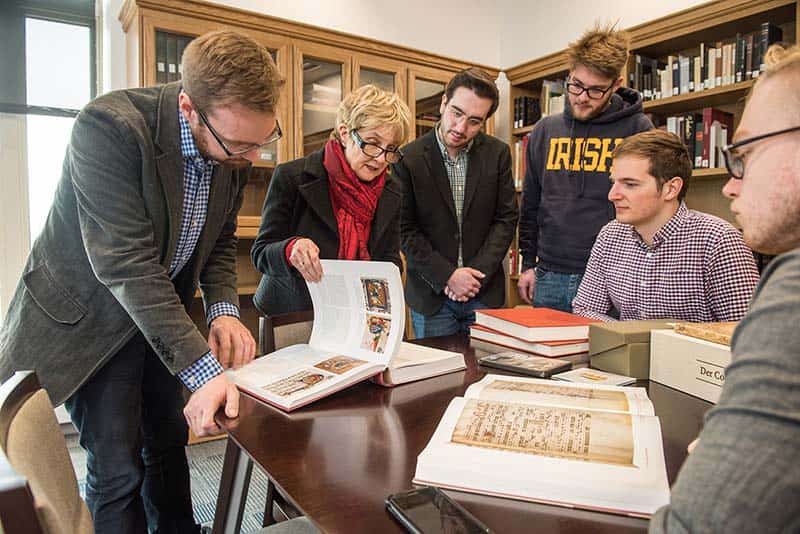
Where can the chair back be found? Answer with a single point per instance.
(280, 331)
(38, 490)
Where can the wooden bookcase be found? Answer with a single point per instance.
(678, 33)
(305, 55)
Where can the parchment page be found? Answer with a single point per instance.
(544, 392)
(547, 431)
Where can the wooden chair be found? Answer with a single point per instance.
(275, 333)
(38, 488)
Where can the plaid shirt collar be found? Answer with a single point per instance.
(445, 155)
(189, 148)
(669, 229)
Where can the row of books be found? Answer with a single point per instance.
(704, 134)
(526, 111)
(321, 94)
(514, 261)
(520, 149)
(722, 64)
(553, 97)
(169, 51)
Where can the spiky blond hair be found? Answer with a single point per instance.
(602, 49)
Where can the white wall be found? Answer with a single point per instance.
(531, 29)
(461, 29)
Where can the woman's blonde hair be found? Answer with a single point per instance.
(370, 107)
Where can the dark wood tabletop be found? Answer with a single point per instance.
(339, 458)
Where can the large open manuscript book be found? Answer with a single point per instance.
(594, 447)
(359, 319)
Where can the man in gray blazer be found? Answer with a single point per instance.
(145, 212)
(744, 473)
(459, 211)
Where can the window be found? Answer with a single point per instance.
(49, 51)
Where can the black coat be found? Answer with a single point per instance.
(429, 227)
(298, 204)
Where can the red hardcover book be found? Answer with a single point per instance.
(548, 349)
(535, 324)
(710, 115)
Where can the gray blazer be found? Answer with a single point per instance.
(97, 274)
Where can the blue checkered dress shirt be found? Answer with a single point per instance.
(197, 173)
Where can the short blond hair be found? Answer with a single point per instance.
(784, 60)
(225, 67)
(602, 49)
(371, 107)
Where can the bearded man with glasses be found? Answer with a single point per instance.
(145, 212)
(744, 474)
(565, 192)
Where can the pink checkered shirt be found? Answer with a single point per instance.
(698, 269)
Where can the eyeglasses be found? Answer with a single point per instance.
(276, 134)
(735, 162)
(375, 150)
(595, 93)
(473, 122)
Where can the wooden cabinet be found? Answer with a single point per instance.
(320, 66)
(677, 34)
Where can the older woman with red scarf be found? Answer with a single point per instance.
(337, 203)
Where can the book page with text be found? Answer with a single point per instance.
(565, 394)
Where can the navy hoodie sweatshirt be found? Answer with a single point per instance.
(565, 196)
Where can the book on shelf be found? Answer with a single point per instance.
(525, 364)
(359, 320)
(552, 97)
(720, 332)
(587, 446)
(594, 376)
(535, 324)
(526, 111)
(520, 152)
(550, 349)
(717, 130)
(732, 60)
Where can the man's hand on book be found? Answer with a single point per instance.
(463, 284)
(231, 341)
(526, 285)
(305, 258)
(203, 405)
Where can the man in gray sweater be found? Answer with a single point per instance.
(744, 474)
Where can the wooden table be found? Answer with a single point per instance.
(339, 458)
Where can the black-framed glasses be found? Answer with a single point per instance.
(595, 93)
(375, 150)
(735, 162)
(458, 114)
(276, 134)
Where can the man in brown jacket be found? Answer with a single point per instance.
(144, 213)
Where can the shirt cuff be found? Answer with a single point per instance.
(221, 308)
(288, 250)
(201, 371)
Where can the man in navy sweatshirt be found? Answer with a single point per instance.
(565, 196)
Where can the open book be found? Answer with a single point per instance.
(594, 447)
(359, 319)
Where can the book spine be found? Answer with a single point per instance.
(161, 57)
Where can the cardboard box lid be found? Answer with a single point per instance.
(606, 336)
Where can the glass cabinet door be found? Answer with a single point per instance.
(426, 88)
(384, 73)
(324, 75)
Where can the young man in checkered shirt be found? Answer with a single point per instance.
(659, 259)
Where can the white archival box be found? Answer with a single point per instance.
(694, 366)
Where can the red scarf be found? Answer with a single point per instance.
(354, 202)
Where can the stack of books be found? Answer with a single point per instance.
(537, 331)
